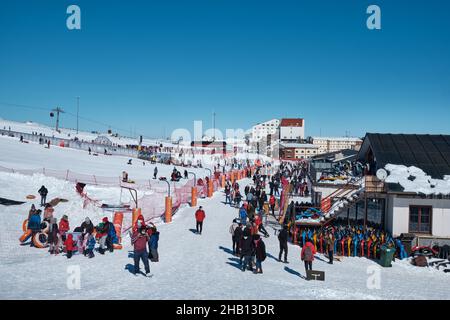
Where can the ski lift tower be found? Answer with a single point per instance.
(58, 110)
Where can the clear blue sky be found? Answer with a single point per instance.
(150, 65)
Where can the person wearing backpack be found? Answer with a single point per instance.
(307, 255)
(260, 252)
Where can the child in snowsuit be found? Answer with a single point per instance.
(89, 252)
(69, 243)
(34, 224)
(153, 245)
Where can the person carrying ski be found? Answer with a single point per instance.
(307, 254)
(199, 218)
(139, 241)
(34, 224)
(260, 252)
(283, 239)
(43, 193)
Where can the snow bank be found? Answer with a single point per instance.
(414, 179)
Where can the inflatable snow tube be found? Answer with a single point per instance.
(40, 240)
(45, 226)
(31, 197)
(26, 235)
(25, 225)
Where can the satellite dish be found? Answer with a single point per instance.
(382, 174)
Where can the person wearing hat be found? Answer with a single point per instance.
(102, 231)
(139, 241)
(53, 236)
(87, 226)
(199, 217)
(64, 226)
(34, 224)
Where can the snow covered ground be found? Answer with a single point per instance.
(191, 266)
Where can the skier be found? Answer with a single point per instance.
(307, 254)
(34, 224)
(199, 217)
(260, 252)
(43, 193)
(283, 239)
(155, 172)
(139, 240)
(153, 245)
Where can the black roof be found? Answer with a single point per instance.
(431, 153)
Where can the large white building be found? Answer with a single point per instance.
(333, 144)
(262, 130)
(292, 130)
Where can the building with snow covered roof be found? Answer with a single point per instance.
(297, 151)
(408, 176)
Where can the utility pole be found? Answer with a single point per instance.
(214, 125)
(58, 110)
(78, 110)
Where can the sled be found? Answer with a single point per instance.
(40, 240)
(25, 236)
(45, 226)
(25, 225)
(9, 202)
(56, 201)
(31, 197)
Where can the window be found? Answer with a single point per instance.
(420, 219)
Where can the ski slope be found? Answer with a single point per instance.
(191, 266)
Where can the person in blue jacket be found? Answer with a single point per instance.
(153, 245)
(90, 246)
(34, 224)
(401, 248)
(243, 215)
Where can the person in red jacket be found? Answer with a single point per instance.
(63, 227)
(199, 217)
(272, 204)
(139, 240)
(307, 255)
(69, 243)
